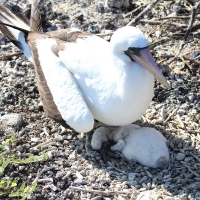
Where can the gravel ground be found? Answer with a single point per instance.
(71, 172)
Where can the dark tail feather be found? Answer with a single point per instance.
(35, 20)
(15, 27)
(6, 16)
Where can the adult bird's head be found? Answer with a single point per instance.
(134, 44)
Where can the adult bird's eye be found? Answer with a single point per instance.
(132, 50)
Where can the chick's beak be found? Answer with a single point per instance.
(145, 59)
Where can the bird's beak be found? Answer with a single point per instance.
(145, 59)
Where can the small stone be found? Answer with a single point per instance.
(145, 196)
(20, 149)
(59, 138)
(180, 156)
(131, 176)
(78, 175)
(20, 168)
(191, 97)
(72, 156)
(181, 112)
(12, 121)
(158, 34)
(184, 197)
(35, 139)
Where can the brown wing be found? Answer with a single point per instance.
(45, 94)
(65, 36)
(62, 37)
(69, 34)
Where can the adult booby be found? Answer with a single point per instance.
(82, 77)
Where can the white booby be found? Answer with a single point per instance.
(82, 77)
(144, 145)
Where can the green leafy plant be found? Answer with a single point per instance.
(9, 187)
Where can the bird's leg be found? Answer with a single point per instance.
(103, 151)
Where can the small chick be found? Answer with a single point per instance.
(100, 141)
(144, 145)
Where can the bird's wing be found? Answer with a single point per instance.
(17, 37)
(62, 99)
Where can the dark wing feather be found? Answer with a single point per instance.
(23, 18)
(69, 34)
(45, 93)
(35, 20)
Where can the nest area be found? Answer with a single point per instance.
(173, 31)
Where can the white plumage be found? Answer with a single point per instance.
(117, 90)
(144, 145)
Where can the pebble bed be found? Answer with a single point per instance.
(74, 172)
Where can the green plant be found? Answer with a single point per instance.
(9, 187)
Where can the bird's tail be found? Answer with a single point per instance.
(15, 28)
(35, 19)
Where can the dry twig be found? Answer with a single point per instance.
(135, 10)
(194, 10)
(169, 117)
(162, 40)
(192, 60)
(5, 57)
(99, 191)
(149, 7)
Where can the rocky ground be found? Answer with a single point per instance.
(71, 172)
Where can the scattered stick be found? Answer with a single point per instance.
(45, 169)
(116, 168)
(163, 39)
(98, 191)
(149, 7)
(196, 26)
(176, 17)
(192, 60)
(45, 180)
(169, 117)
(5, 57)
(37, 177)
(194, 10)
(105, 34)
(161, 22)
(45, 131)
(187, 64)
(44, 144)
(198, 159)
(180, 121)
(190, 170)
(135, 10)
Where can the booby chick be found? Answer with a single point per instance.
(145, 145)
(82, 77)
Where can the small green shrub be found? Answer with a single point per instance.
(10, 187)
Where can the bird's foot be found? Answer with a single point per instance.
(103, 151)
(88, 146)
